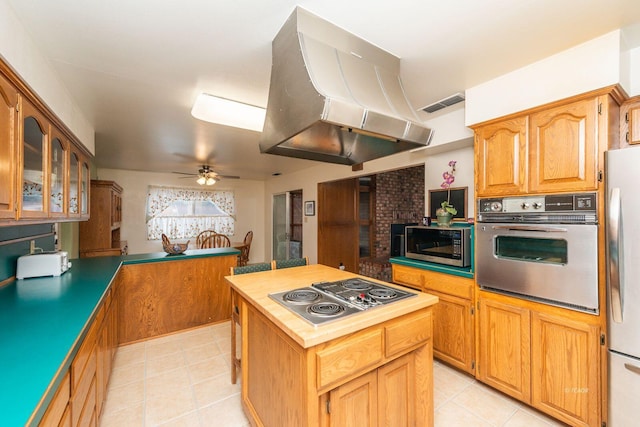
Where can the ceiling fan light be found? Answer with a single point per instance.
(201, 180)
(210, 181)
(227, 112)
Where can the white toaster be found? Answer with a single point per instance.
(42, 264)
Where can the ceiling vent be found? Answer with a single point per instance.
(444, 103)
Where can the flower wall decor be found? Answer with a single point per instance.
(449, 178)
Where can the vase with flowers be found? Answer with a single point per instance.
(446, 211)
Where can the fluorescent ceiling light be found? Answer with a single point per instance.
(227, 112)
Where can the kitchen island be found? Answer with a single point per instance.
(370, 368)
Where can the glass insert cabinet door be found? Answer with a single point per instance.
(74, 176)
(56, 181)
(84, 189)
(34, 140)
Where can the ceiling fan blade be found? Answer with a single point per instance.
(185, 173)
(228, 176)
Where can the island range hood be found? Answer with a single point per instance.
(335, 97)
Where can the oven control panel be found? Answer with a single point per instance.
(570, 208)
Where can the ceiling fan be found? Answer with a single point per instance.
(206, 176)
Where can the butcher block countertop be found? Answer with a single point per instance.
(256, 287)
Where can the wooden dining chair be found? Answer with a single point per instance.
(235, 316)
(216, 241)
(287, 263)
(243, 258)
(203, 235)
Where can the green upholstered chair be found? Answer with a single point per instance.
(251, 268)
(287, 263)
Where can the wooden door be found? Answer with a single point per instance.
(563, 148)
(355, 404)
(504, 341)
(453, 332)
(8, 148)
(338, 224)
(565, 369)
(397, 392)
(501, 158)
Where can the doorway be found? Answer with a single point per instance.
(287, 225)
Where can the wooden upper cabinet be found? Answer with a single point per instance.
(501, 158)
(34, 137)
(563, 148)
(8, 148)
(36, 161)
(630, 121)
(555, 149)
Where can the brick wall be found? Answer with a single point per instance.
(399, 198)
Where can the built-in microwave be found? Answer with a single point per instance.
(443, 245)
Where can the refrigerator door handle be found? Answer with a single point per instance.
(615, 255)
(632, 368)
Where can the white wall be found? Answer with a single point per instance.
(589, 66)
(19, 51)
(634, 72)
(250, 208)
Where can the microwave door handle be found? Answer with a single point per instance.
(615, 253)
(530, 228)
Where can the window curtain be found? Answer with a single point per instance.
(184, 227)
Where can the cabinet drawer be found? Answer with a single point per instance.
(456, 286)
(58, 405)
(346, 358)
(407, 332)
(408, 276)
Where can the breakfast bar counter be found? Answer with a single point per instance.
(373, 367)
(44, 321)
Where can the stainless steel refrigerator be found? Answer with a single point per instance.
(623, 285)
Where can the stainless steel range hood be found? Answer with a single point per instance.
(335, 97)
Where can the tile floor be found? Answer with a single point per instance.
(183, 380)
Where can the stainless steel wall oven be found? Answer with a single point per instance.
(543, 248)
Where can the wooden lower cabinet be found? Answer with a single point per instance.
(504, 343)
(565, 369)
(453, 315)
(58, 412)
(80, 396)
(380, 376)
(542, 356)
(384, 397)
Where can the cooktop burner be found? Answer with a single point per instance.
(301, 296)
(329, 309)
(326, 301)
(380, 293)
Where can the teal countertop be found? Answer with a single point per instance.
(43, 322)
(441, 268)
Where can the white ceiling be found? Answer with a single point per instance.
(136, 66)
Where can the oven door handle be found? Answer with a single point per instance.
(615, 253)
(530, 228)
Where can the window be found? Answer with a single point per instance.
(182, 213)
